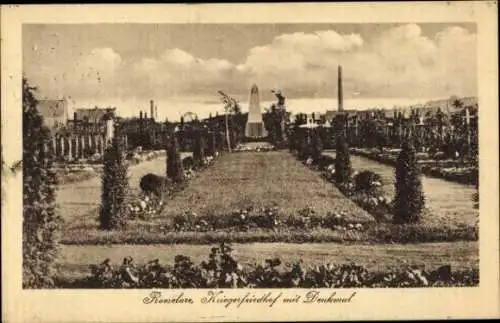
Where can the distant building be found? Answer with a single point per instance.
(92, 120)
(145, 132)
(54, 113)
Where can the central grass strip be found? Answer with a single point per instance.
(235, 182)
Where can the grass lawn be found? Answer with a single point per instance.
(74, 260)
(249, 179)
(235, 181)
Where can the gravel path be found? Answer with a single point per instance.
(80, 197)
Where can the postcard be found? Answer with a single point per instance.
(250, 162)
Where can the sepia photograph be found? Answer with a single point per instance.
(168, 157)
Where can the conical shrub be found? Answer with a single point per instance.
(211, 145)
(113, 210)
(316, 146)
(198, 148)
(175, 171)
(342, 160)
(409, 199)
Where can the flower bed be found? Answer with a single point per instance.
(267, 219)
(221, 270)
(445, 169)
(364, 188)
(144, 206)
(257, 147)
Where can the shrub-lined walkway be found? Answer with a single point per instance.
(450, 203)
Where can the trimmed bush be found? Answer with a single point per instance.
(367, 181)
(316, 146)
(41, 222)
(188, 162)
(113, 210)
(304, 149)
(409, 199)
(152, 184)
(175, 171)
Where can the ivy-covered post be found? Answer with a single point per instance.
(113, 209)
(409, 199)
(41, 221)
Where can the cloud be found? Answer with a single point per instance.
(176, 72)
(92, 74)
(399, 62)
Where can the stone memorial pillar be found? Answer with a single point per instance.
(98, 144)
(70, 153)
(94, 144)
(77, 147)
(82, 139)
(103, 144)
(62, 146)
(90, 144)
(54, 145)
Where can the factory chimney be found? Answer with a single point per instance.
(340, 96)
(152, 109)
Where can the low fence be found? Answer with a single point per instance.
(85, 169)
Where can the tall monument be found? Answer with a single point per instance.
(255, 126)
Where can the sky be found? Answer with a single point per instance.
(182, 66)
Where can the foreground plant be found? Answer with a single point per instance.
(41, 222)
(221, 270)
